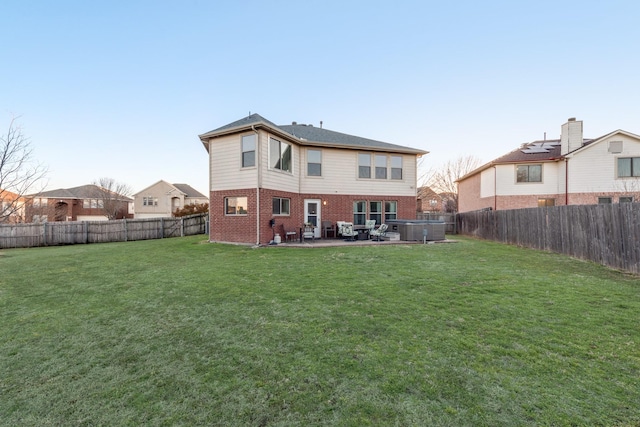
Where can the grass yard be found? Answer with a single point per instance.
(181, 332)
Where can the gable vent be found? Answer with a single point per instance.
(615, 146)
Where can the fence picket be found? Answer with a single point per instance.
(74, 232)
(607, 234)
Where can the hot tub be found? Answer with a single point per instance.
(414, 229)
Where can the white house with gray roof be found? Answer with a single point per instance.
(263, 174)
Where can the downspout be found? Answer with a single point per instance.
(566, 181)
(258, 184)
(495, 188)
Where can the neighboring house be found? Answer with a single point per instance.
(264, 176)
(84, 203)
(571, 170)
(11, 207)
(429, 200)
(163, 199)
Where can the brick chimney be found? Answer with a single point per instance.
(571, 136)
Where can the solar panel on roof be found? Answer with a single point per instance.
(532, 150)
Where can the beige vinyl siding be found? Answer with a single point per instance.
(158, 190)
(226, 164)
(340, 176)
(339, 170)
(275, 179)
(593, 169)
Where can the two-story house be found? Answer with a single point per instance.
(162, 199)
(571, 170)
(11, 207)
(83, 203)
(264, 175)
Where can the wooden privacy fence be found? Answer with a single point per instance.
(608, 234)
(74, 232)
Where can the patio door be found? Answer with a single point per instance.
(312, 214)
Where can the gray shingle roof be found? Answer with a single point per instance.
(82, 192)
(189, 191)
(310, 135)
(242, 123)
(535, 151)
(326, 136)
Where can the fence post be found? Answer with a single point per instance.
(181, 226)
(44, 233)
(162, 228)
(125, 230)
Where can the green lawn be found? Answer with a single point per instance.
(182, 332)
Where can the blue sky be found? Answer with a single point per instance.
(121, 89)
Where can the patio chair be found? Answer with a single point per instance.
(379, 232)
(369, 225)
(346, 230)
(288, 234)
(308, 232)
(327, 227)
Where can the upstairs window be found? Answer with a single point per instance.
(546, 202)
(529, 173)
(314, 163)
(248, 151)
(364, 165)
(604, 200)
(628, 167)
(40, 202)
(626, 199)
(381, 166)
(149, 201)
(280, 155)
(384, 166)
(396, 167)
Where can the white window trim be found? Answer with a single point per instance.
(271, 168)
(528, 182)
(372, 166)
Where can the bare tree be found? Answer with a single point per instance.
(629, 188)
(20, 175)
(443, 179)
(113, 197)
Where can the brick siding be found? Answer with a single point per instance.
(242, 228)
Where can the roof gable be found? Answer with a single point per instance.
(156, 184)
(246, 122)
(596, 141)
